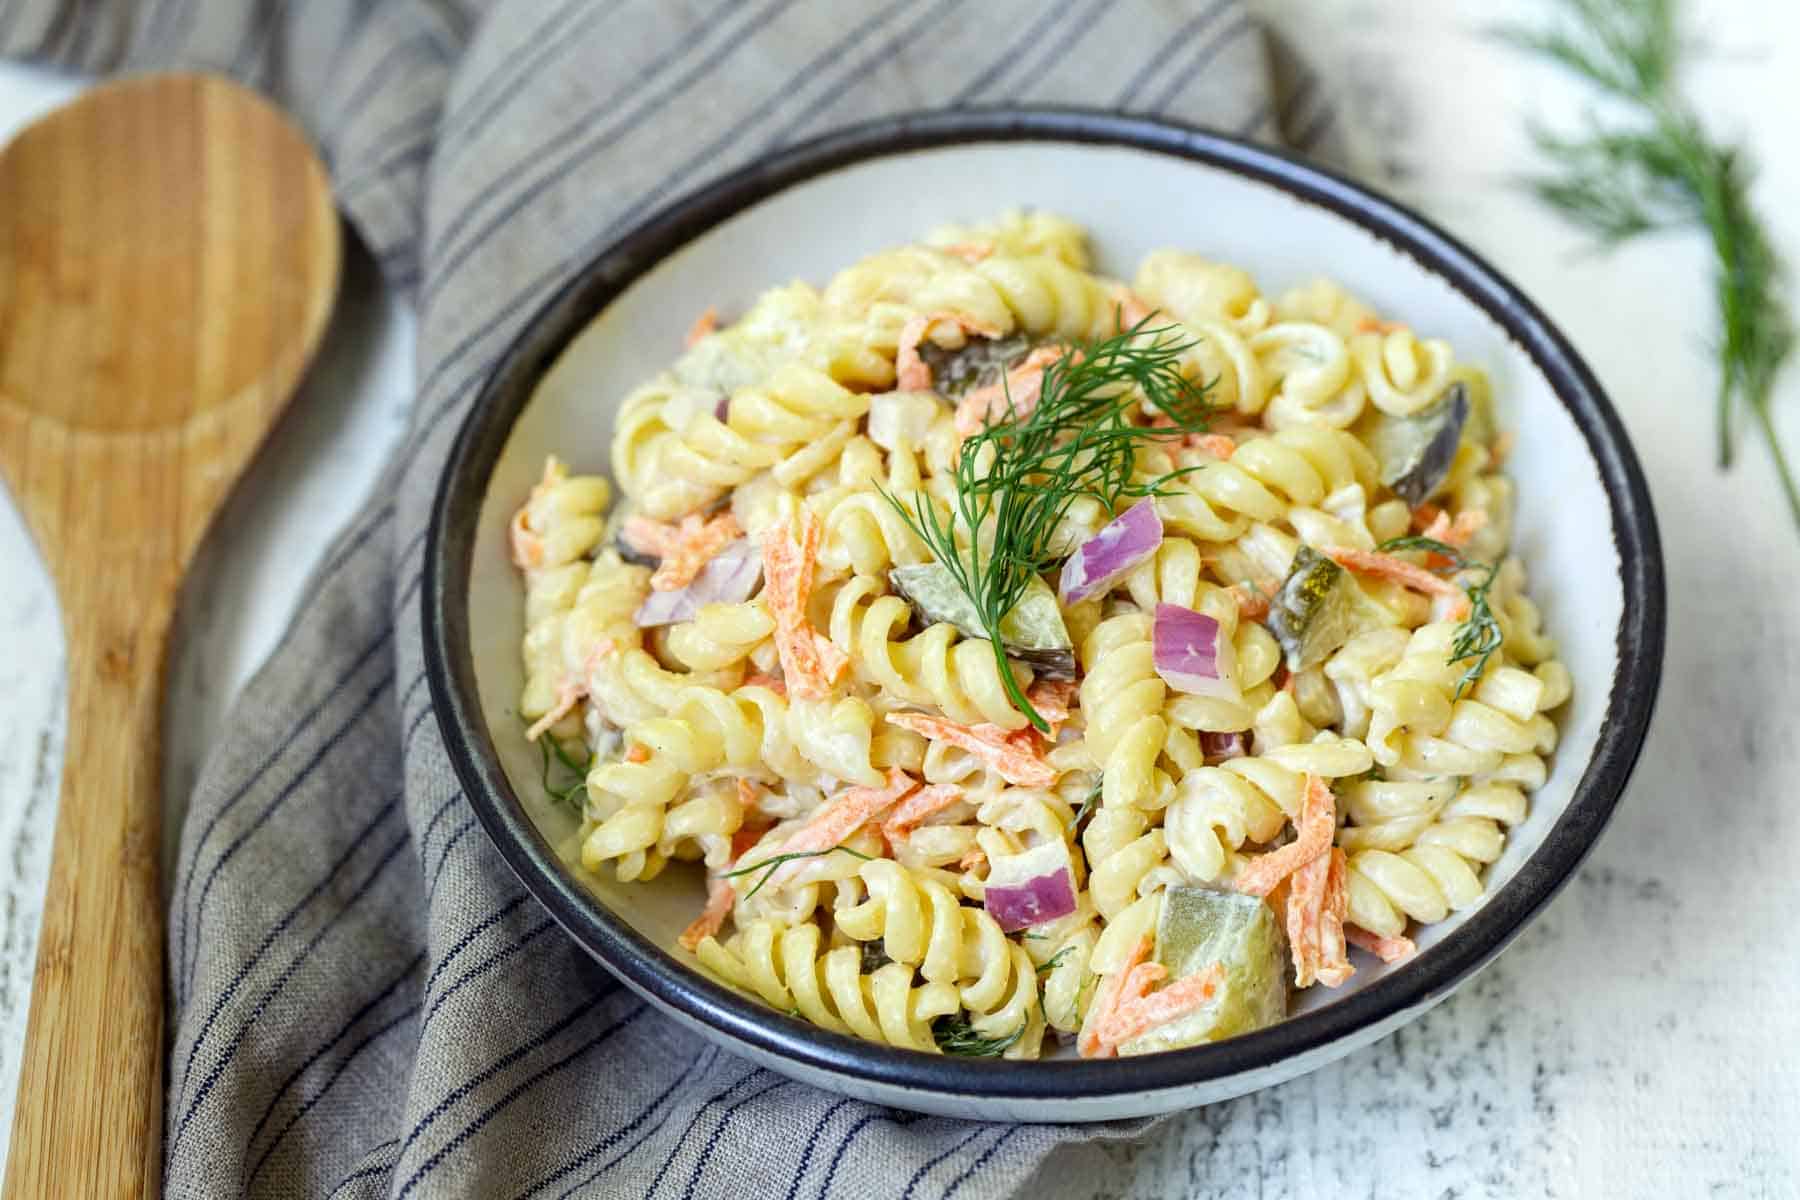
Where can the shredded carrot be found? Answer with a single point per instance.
(1305, 899)
(1468, 523)
(566, 697)
(1305, 918)
(720, 896)
(1387, 949)
(1386, 566)
(704, 324)
(773, 682)
(1017, 761)
(700, 543)
(916, 808)
(810, 663)
(1314, 830)
(1219, 445)
(1023, 385)
(1434, 523)
(1140, 1010)
(1252, 602)
(572, 690)
(638, 753)
(911, 373)
(1090, 1044)
(969, 252)
(745, 839)
(684, 548)
(527, 546)
(1051, 698)
(1334, 969)
(1376, 325)
(841, 816)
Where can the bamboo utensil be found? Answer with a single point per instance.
(169, 255)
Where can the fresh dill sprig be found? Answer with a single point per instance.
(1016, 479)
(776, 860)
(548, 745)
(955, 1035)
(1427, 544)
(1655, 167)
(1088, 803)
(1479, 637)
(1050, 964)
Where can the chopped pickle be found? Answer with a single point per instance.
(1483, 426)
(1199, 927)
(1033, 632)
(1415, 452)
(978, 364)
(1318, 609)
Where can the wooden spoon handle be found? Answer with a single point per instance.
(89, 1110)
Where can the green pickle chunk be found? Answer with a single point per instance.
(1318, 609)
(1033, 631)
(1415, 452)
(1199, 927)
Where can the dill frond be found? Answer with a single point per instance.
(1655, 166)
(955, 1035)
(1479, 637)
(1088, 803)
(573, 794)
(777, 860)
(1016, 478)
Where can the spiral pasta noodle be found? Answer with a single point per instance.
(789, 968)
(937, 667)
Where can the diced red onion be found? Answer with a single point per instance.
(897, 418)
(1109, 555)
(1030, 888)
(1217, 747)
(1192, 653)
(722, 409)
(729, 578)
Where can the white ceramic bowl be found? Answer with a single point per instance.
(1584, 529)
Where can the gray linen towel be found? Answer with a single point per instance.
(364, 1001)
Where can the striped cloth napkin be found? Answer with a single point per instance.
(364, 1001)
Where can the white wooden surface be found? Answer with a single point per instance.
(1643, 1038)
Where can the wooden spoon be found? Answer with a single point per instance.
(169, 255)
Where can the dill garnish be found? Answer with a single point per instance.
(1478, 638)
(1657, 167)
(1087, 807)
(778, 859)
(1016, 479)
(955, 1035)
(1050, 964)
(548, 745)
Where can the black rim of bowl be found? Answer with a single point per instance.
(655, 972)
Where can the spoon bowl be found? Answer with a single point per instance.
(169, 255)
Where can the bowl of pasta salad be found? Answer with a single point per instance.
(1042, 615)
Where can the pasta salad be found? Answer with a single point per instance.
(1020, 654)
